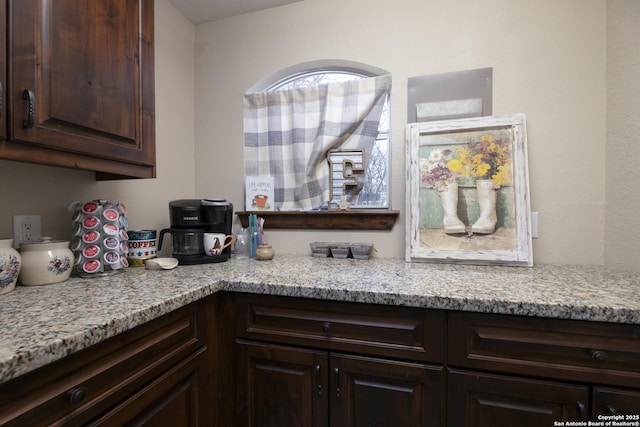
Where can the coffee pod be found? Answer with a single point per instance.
(90, 207)
(91, 236)
(91, 251)
(91, 266)
(90, 222)
(110, 215)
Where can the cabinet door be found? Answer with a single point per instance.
(3, 68)
(384, 393)
(82, 92)
(476, 399)
(614, 401)
(281, 386)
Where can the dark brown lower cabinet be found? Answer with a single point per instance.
(158, 374)
(241, 360)
(514, 370)
(289, 386)
(173, 399)
(615, 401)
(479, 399)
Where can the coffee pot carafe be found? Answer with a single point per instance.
(190, 219)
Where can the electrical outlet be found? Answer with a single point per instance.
(26, 228)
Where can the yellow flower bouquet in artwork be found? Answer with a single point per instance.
(487, 159)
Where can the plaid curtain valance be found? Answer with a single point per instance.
(288, 133)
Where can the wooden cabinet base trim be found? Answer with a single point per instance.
(10, 150)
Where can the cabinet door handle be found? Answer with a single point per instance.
(336, 377)
(77, 395)
(29, 96)
(318, 380)
(611, 409)
(583, 410)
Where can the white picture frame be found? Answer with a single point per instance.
(463, 176)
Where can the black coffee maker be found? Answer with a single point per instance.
(190, 219)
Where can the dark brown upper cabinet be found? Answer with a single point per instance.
(80, 85)
(3, 69)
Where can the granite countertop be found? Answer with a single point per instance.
(45, 323)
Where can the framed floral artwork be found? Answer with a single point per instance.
(468, 192)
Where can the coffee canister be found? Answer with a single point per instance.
(141, 247)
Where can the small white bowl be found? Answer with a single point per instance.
(161, 263)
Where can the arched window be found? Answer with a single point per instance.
(374, 193)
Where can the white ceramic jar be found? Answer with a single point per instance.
(10, 263)
(45, 262)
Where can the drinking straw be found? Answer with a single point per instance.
(254, 232)
(261, 230)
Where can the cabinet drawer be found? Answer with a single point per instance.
(171, 399)
(616, 401)
(601, 353)
(400, 332)
(76, 388)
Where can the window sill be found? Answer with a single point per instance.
(337, 220)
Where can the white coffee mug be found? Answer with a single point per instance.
(214, 243)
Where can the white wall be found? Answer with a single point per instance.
(48, 191)
(551, 60)
(548, 60)
(622, 237)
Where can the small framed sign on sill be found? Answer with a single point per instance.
(259, 193)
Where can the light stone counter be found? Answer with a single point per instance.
(45, 323)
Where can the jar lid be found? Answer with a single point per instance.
(45, 244)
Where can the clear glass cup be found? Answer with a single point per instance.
(242, 248)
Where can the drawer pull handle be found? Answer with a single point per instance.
(326, 326)
(77, 395)
(599, 356)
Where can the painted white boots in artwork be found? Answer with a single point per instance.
(486, 223)
(449, 198)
